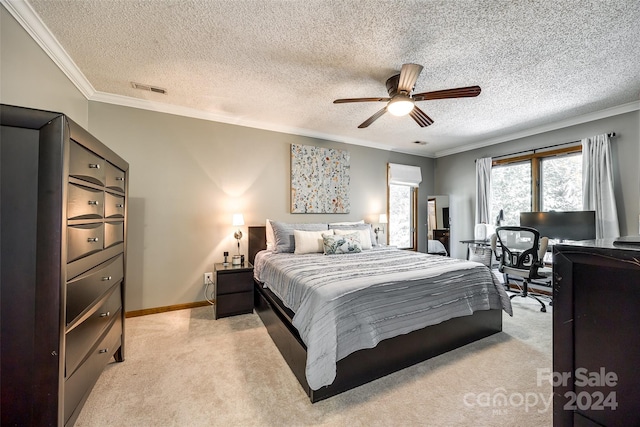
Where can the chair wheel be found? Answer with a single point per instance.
(543, 309)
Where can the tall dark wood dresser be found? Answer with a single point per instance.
(63, 231)
(596, 313)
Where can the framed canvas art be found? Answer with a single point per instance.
(319, 180)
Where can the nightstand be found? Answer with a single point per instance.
(234, 289)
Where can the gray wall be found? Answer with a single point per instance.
(187, 178)
(455, 174)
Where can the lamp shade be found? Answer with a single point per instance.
(383, 219)
(238, 219)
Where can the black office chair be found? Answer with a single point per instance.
(521, 253)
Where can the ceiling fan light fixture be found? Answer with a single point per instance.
(400, 105)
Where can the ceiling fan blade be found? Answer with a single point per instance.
(461, 92)
(345, 100)
(408, 76)
(373, 118)
(420, 117)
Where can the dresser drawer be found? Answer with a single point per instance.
(234, 282)
(83, 164)
(84, 203)
(113, 233)
(84, 290)
(113, 206)
(83, 240)
(84, 336)
(114, 177)
(84, 378)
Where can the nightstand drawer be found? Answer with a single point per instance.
(231, 304)
(228, 283)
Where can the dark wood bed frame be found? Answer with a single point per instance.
(364, 366)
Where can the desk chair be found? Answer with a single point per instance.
(521, 254)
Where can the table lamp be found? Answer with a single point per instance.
(238, 220)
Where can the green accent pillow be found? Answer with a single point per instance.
(341, 244)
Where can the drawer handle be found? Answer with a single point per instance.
(94, 166)
(94, 202)
(107, 314)
(106, 278)
(103, 350)
(119, 178)
(119, 205)
(92, 239)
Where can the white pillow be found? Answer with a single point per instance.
(364, 235)
(271, 237)
(308, 242)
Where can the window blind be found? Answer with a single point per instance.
(404, 175)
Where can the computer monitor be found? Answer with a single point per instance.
(570, 225)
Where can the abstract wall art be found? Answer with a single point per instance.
(319, 180)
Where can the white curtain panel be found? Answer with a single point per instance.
(597, 185)
(483, 190)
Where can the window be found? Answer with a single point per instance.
(402, 202)
(402, 218)
(561, 183)
(510, 191)
(544, 181)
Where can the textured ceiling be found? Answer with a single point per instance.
(280, 64)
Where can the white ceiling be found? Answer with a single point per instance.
(279, 64)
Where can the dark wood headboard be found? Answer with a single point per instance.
(257, 241)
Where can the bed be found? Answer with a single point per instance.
(374, 357)
(436, 247)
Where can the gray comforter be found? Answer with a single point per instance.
(345, 303)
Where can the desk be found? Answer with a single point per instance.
(479, 250)
(548, 257)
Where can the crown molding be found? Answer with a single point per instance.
(33, 25)
(178, 110)
(597, 115)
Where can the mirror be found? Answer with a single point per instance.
(438, 225)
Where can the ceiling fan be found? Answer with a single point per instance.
(401, 102)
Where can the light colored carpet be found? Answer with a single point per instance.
(183, 368)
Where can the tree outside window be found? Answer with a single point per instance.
(561, 183)
(401, 221)
(510, 191)
(550, 181)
